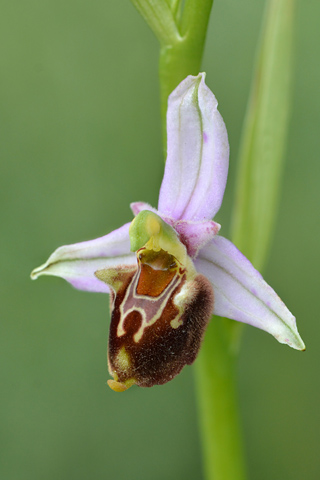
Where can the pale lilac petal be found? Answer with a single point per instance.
(77, 263)
(242, 294)
(194, 235)
(198, 153)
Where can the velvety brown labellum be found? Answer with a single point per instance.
(158, 319)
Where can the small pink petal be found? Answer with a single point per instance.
(194, 235)
(137, 207)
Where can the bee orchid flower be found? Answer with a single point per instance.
(169, 270)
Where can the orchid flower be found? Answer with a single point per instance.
(168, 270)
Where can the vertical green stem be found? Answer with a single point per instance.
(183, 56)
(175, 64)
(217, 400)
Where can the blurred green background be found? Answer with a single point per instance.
(80, 139)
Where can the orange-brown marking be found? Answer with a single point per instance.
(153, 282)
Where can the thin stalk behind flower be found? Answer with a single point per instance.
(264, 135)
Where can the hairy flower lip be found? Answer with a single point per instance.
(191, 194)
(160, 311)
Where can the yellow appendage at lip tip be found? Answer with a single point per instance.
(117, 386)
(121, 387)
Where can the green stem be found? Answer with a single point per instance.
(261, 155)
(183, 57)
(217, 401)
